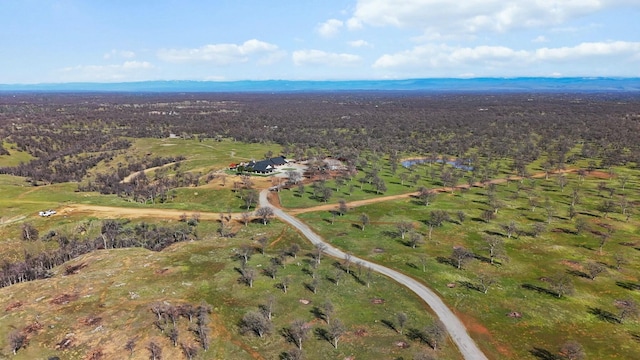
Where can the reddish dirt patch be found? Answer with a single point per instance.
(599, 175)
(377, 301)
(91, 321)
(571, 264)
(13, 305)
(360, 332)
(476, 328)
(401, 344)
(96, 354)
(32, 328)
(64, 299)
(161, 271)
(65, 343)
(304, 301)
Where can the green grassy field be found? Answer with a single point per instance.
(119, 286)
(546, 321)
(204, 270)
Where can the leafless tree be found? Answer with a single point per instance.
(255, 322)
(335, 332)
(327, 311)
(364, 220)
(404, 227)
(131, 345)
(461, 256)
(265, 213)
(17, 340)
(298, 332)
(627, 309)
(248, 275)
(155, 351)
(401, 318)
(189, 350)
(435, 334)
(594, 269)
(572, 350)
(561, 284)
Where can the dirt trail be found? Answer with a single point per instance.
(113, 212)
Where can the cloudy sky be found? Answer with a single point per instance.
(134, 40)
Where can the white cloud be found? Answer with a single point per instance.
(122, 54)
(220, 54)
(319, 57)
(472, 16)
(540, 39)
(505, 59)
(127, 71)
(359, 43)
(330, 28)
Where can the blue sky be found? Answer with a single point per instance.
(44, 41)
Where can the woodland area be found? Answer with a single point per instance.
(493, 200)
(67, 134)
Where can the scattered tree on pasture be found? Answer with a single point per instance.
(265, 213)
(594, 269)
(572, 350)
(461, 256)
(255, 322)
(298, 332)
(364, 220)
(404, 227)
(155, 351)
(435, 334)
(561, 284)
(335, 332)
(401, 318)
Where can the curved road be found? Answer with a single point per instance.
(456, 329)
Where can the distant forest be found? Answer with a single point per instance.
(68, 133)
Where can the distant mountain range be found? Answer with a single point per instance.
(573, 84)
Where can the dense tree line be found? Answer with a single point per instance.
(113, 234)
(67, 133)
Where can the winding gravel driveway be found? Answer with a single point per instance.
(456, 329)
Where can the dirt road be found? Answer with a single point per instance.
(454, 326)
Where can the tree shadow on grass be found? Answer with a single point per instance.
(447, 261)
(628, 285)
(389, 324)
(543, 354)
(579, 274)
(415, 334)
(604, 315)
(539, 289)
(470, 286)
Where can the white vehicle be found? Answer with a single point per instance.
(47, 213)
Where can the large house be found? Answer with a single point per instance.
(266, 166)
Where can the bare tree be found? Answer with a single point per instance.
(594, 269)
(293, 354)
(155, 351)
(29, 232)
(298, 331)
(402, 321)
(265, 213)
(245, 218)
(435, 334)
(627, 308)
(342, 207)
(415, 239)
(572, 350)
(131, 345)
(336, 330)
(263, 241)
(364, 220)
(255, 322)
(461, 256)
(485, 281)
(423, 262)
(620, 260)
(248, 275)
(17, 340)
(293, 250)
(189, 350)
(285, 283)
(561, 284)
(327, 311)
(404, 227)
(269, 306)
(173, 335)
(244, 253)
(494, 245)
(317, 252)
